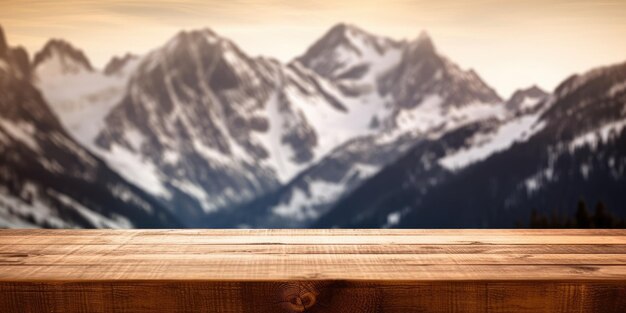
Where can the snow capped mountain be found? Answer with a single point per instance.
(183, 126)
(13, 61)
(526, 100)
(422, 72)
(361, 130)
(409, 82)
(375, 75)
(213, 127)
(352, 58)
(203, 126)
(46, 178)
(572, 149)
(520, 121)
(121, 66)
(80, 95)
(58, 58)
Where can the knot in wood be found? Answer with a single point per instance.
(299, 297)
(299, 303)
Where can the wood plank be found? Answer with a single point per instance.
(315, 232)
(123, 249)
(313, 271)
(272, 272)
(152, 259)
(187, 239)
(323, 296)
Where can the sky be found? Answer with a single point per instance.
(510, 43)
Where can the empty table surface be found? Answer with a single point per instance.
(313, 270)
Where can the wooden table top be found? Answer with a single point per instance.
(284, 255)
(343, 271)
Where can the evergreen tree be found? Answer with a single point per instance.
(582, 215)
(534, 218)
(602, 218)
(555, 220)
(538, 220)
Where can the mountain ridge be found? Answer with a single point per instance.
(47, 179)
(576, 151)
(395, 128)
(225, 139)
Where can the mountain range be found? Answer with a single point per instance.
(47, 179)
(359, 131)
(574, 150)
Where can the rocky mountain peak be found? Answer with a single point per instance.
(201, 51)
(13, 60)
(341, 33)
(59, 57)
(345, 50)
(3, 43)
(423, 42)
(21, 60)
(48, 179)
(193, 38)
(199, 100)
(119, 63)
(599, 93)
(612, 73)
(423, 72)
(526, 98)
(422, 51)
(346, 31)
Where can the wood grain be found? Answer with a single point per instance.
(313, 271)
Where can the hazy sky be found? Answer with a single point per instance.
(510, 44)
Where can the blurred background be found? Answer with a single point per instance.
(313, 114)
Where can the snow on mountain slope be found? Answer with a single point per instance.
(334, 124)
(352, 58)
(121, 66)
(214, 127)
(46, 178)
(312, 193)
(375, 74)
(520, 120)
(58, 57)
(585, 123)
(80, 95)
(423, 72)
(203, 126)
(573, 149)
(595, 137)
(483, 145)
(526, 100)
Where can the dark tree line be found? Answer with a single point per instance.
(601, 217)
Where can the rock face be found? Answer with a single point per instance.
(65, 59)
(4, 47)
(207, 129)
(214, 127)
(422, 71)
(80, 95)
(361, 130)
(46, 178)
(120, 65)
(570, 147)
(351, 54)
(405, 90)
(525, 101)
